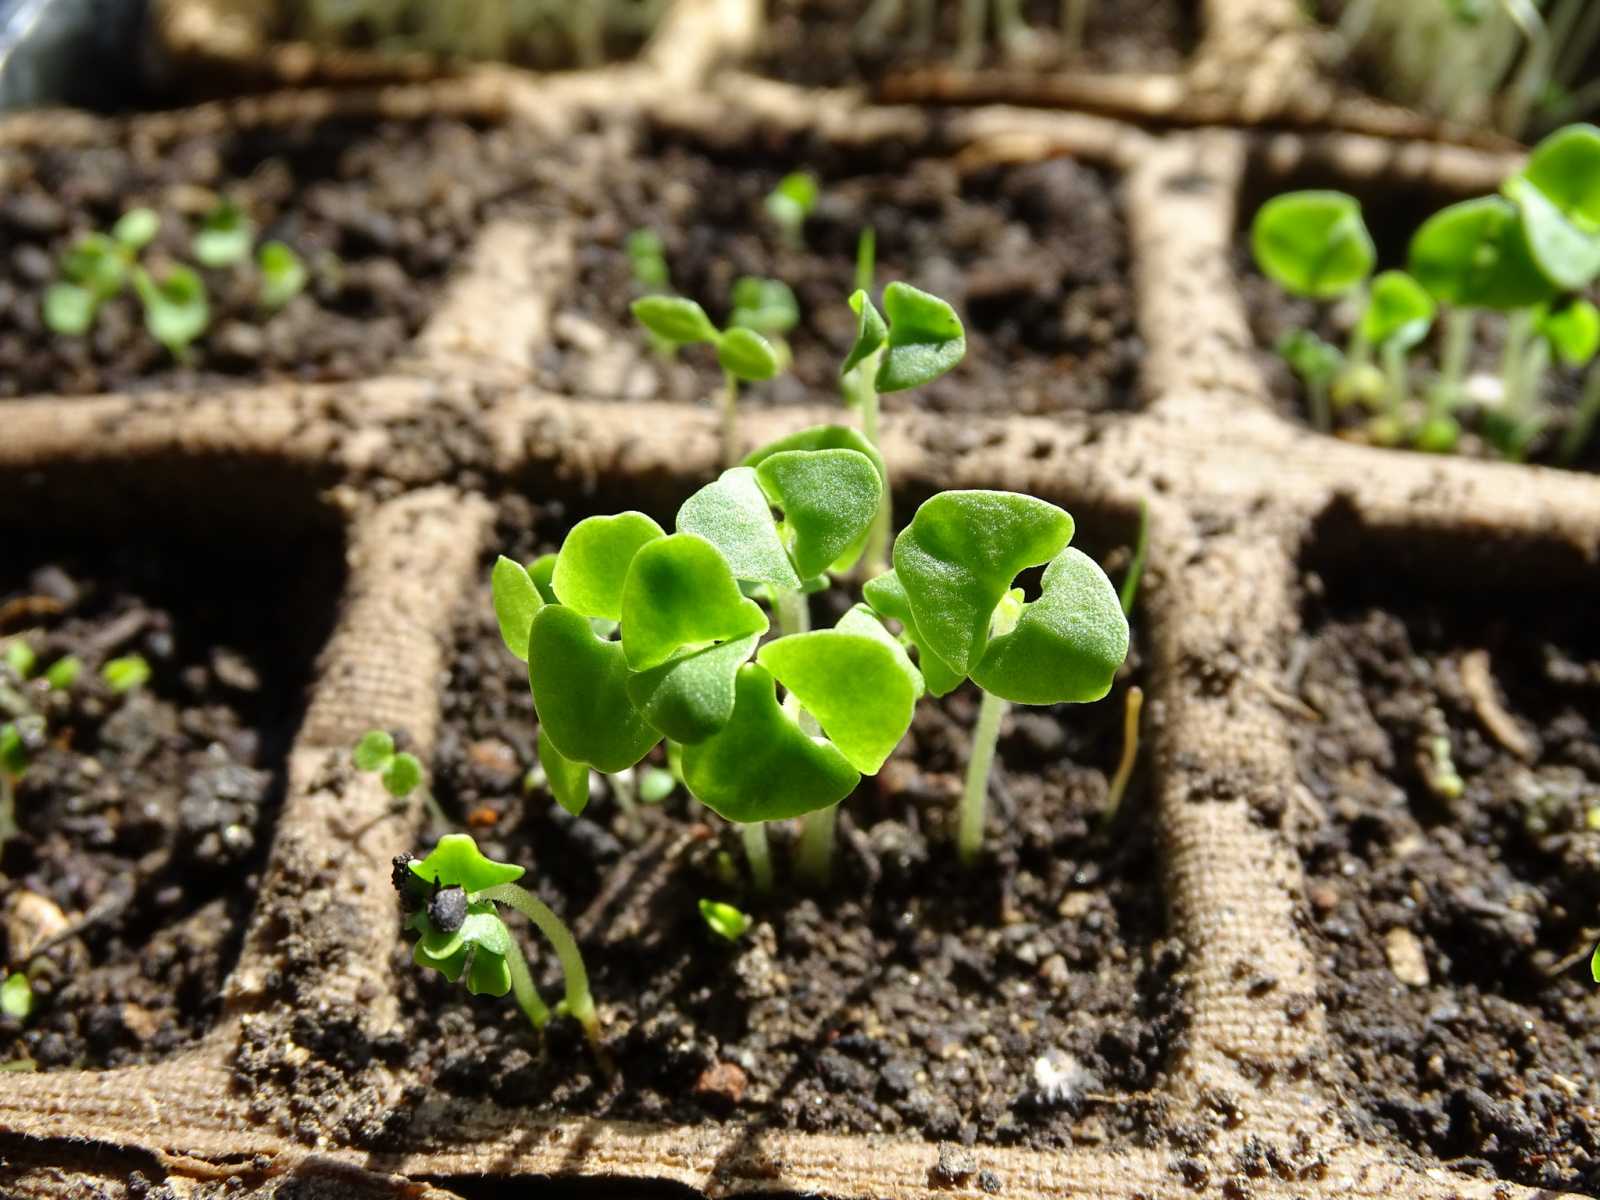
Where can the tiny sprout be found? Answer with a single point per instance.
(283, 275)
(95, 269)
(1141, 549)
(16, 996)
(126, 673)
(451, 898)
(649, 259)
(136, 229)
(790, 203)
(1313, 243)
(724, 920)
(400, 772)
(1317, 363)
(767, 306)
(175, 308)
(743, 353)
(224, 237)
(1133, 705)
(20, 657)
(64, 672)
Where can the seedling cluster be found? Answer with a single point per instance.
(1527, 253)
(99, 267)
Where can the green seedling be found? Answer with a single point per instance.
(283, 275)
(18, 740)
(1398, 315)
(124, 674)
(791, 203)
(921, 339)
(64, 672)
(724, 920)
(20, 657)
(95, 269)
(1129, 592)
(767, 307)
(452, 900)
(400, 772)
(176, 310)
(679, 657)
(743, 354)
(1133, 706)
(224, 238)
(649, 259)
(953, 591)
(16, 996)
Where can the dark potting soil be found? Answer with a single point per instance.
(1033, 1000)
(380, 213)
(1033, 257)
(1274, 312)
(1455, 933)
(832, 42)
(144, 816)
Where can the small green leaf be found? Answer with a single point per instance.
(959, 556)
(580, 692)
(283, 275)
(732, 513)
(871, 332)
(97, 264)
(1311, 358)
(69, 309)
(1399, 311)
(690, 697)
(136, 228)
(724, 920)
(224, 237)
(13, 752)
(679, 321)
(888, 596)
(1565, 166)
(593, 564)
(64, 672)
(863, 622)
(1313, 243)
(402, 774)
(648, 256)
(747, 355)
(793, 200)
(1066, 646)
(828, 498)
(1475, 255)
(828, 437)
(766, 306)
(21, 658)
(175, 309)
(568, 781)
(16, 994)
(516, 602)
(126, 673)
(1568, 256)
(542, 570)
(680, 593)
(456, 861)
(1573, 330)
(761, 766)
(852, 684)
(1594, 965)
(925, 339)
(373, 751)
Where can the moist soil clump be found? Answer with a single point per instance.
(379, 212)
(1455, 916)
(1032, 1000)
(829, 43)
(1033, 257)
(1273, 312)
(143, 816)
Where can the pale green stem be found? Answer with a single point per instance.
(1074, 16)
(1583, 421)
(817, 834)
(876, 556)
(1394, 371)
(970, 46)
(1518, 330)
(625, 787)
(580, 1004)
(975, 801)
(1453, 357)
(1317, 395)
(1141, 548)
(522, 987)
(760, 856)
(1130, 755)
(793, 611)
(730, 419)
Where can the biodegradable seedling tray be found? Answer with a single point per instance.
(305, 1082)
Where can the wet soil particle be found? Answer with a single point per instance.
(143, 816)
(1455, 917)
(1033, 257)
(1028, 1002)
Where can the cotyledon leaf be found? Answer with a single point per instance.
(690, 697)
(593, 563)
(733, 514)
(580, 692)
(886, 596)
(854, 687)
(681, 593)
(828, 498)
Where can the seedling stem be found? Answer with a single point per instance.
(1584, 421)
(975, 801)
(1130, 755)
(580, 1004)
(759, 853)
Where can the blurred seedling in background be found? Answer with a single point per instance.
(744, 355)
(451, 899)
(125, 673)
(400, 771)
(651, 277)
(767, 307)
(791, 203)
(724, 920)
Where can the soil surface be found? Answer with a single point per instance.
(834, 42)
(1033, 257)
(380, 213)
(1456, 929)
(144, 815)
(1274, 312)
(1032, 1001)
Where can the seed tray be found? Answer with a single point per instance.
(300, 1088)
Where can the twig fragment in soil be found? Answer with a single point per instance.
(1478, 683)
